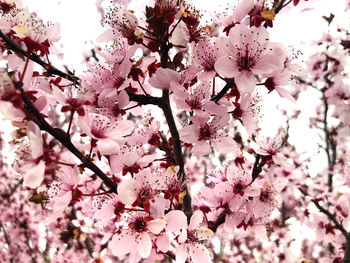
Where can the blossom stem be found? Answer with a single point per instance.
(283, 6)
(25, 68)
(229, 84)
(70, 122)
(34, 114)
(144, 91)
(146, 30)
(132, 107)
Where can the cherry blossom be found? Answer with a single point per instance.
(250, 53)
(157, 152)
(106, 133)
(201, 130)
(137, 236)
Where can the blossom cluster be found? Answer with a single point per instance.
(156, 151)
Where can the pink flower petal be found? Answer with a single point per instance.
(226, 67)
(245, 82)
(199, 253)
(181, 253)
(189, 134)
(196, 219)
(175, 220)
(126, 191)
(242, 9)
(34, 174)
(201, 148)
(163, 78)
(108, 146)
(144, 245)
(35, 139)
(224, 145)
(156, 226)
(163, 243)
(122, 244)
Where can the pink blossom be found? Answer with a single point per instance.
(164, 78)
(238, 187)
(201, 130)
(206, 54)
(143, 188)
(136, 236)
(271, 146)
(130, 160)
(275, 83)
(191, 237)
(64, 190)
(249, 54)
(106, 133)
(197, 99)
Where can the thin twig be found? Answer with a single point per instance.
(49, 68)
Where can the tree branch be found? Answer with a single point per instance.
(330, 216)
(225, 89)
(62, 137)
(49, 68)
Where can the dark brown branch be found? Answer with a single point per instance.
(257, 168)
(144, 99)
(7, 240)
(330, 216)
(62, 137)
(346, 258)
(49, 68)
(220, 220)
(225, 89)
(330, 144)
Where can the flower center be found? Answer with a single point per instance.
(194, 104)
(238, 188)
(191, 236)
(204, 132)
(139, 224)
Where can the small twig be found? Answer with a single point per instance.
(50, 69)
(229, 84)
(330, 216)
(61, 136)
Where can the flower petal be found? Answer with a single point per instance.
(175, 220)
(201, 148)
(181, 253)
(126, 191)
(156, 226)
(196, 219)
(199, 253)
(144, 245)
(226, 67)
(122, 244)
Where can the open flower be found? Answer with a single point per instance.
(106, 133)
(136, 236)
(237, 186)
(143, 188)
(35, 34)
(64, 190)
(164, 77)
(202, 131)
(250, 53)
(191, 236)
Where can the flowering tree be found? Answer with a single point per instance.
(156, 153)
